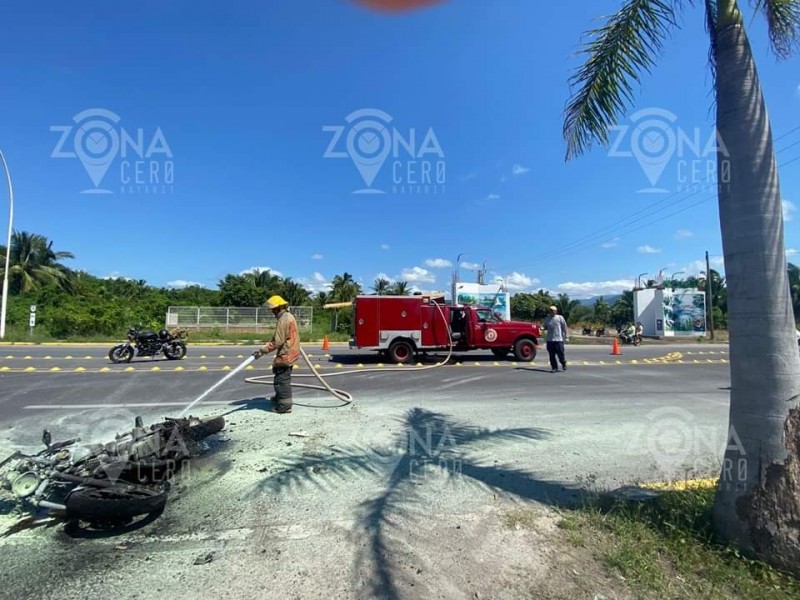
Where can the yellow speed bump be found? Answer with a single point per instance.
(129, 369)
(226, 368)
(178, 369)
(203, 368)
(105, 370)
(55, 369)
(79, 369)
(30, 369)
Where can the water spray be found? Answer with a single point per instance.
(246, 362)
(345, 397)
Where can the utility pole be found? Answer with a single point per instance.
(709, 298)
(4, 307)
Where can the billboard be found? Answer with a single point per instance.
(684, 312)
(489, 296)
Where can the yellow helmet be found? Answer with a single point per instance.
(276, 301)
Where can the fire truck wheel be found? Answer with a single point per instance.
(525, 350)
(401, 351)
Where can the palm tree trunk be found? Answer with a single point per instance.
(757, 505)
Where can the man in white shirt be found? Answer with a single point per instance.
(557, 334)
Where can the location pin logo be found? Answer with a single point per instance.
(369, 143)
(96, 144)
(653, 143)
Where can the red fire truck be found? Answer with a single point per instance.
(401, 326)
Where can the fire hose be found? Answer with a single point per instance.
(342, 395)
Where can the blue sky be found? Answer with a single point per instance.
(238, 104)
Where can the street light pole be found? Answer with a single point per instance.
(660, 279)
(639, 280)
(4, 306)
(457, 277)
(672, 279)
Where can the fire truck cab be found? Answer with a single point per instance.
(402, 326)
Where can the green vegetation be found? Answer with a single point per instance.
(665, 548)
(72, 304)
(75, 305)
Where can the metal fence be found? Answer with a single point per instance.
(234, 318)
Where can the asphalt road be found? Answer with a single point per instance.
(601, 405)
(349, 501)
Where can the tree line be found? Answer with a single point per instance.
(75, 303)
(617, 314)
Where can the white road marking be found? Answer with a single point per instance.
(116, 405)
(460, 382)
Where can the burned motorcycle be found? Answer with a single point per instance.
(106, 483)
(150, 343)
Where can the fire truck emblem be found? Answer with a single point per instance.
(490, 335)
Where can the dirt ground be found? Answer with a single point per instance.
(348, 510)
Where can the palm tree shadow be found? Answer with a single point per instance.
(429, 445)
(263, 404)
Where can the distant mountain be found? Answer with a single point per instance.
(610, 299)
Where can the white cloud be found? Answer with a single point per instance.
(519, 170)
(470, 266)
(683, 234)
(438, 263)
(317, 283)
(612, 243)
(587, 289)
(647, 250)
(518, 281)
(417, 275)
(696, 267)
(789, 209)
(181, 283)
(117, 275)
(491, 197)
(386, 277)
(317, 256)
(258, 269)
(469, 176)
(791, 252)
(385, 246)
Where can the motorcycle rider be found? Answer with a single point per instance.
(639, 331)
(286, 345)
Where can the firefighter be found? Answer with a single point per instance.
(286, 345)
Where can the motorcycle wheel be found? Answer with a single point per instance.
(120, 353)
(175, 350)
(205, 428)
(114, 503)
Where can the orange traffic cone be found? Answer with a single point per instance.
(615, 351)
(326, 345)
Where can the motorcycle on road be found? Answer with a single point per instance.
(149, 343)
(629, 338)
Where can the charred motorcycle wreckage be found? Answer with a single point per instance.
(107, 483)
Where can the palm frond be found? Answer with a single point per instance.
(618, 52)
(783, 25)
(712, 12)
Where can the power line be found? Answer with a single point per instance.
(566, 251)
(614, 228)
